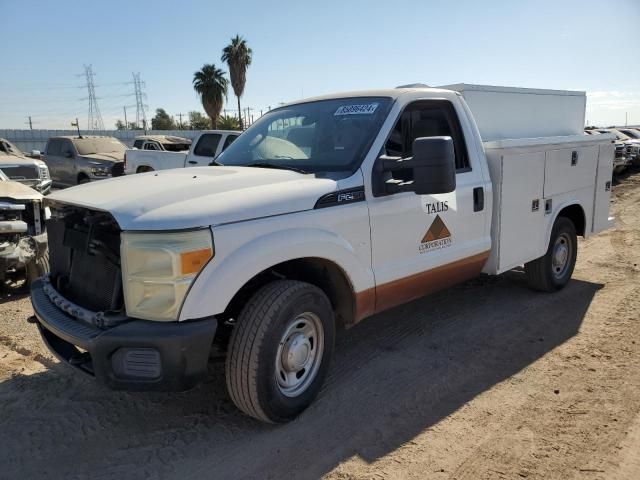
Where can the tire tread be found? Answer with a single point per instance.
(241, 366)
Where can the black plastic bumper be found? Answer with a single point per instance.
(134, 355)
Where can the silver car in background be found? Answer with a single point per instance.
(82, 159)
(18, 167)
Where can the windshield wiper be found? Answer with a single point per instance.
(276, 166)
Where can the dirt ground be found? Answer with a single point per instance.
(487, 380)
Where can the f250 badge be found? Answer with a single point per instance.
(437, 237)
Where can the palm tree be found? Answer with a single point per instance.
(238, 57)
(211, 85)
(227, 122)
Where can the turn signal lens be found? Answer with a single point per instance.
(192, 262)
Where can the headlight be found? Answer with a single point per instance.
(158, 268)
(44, 172)
(100, 171)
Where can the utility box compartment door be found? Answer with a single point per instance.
(569, 169)
(602, 195)
(521, 209)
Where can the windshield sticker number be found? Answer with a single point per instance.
(366, 109)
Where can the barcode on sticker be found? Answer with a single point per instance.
(366, 109)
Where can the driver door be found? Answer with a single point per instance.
(422, 243)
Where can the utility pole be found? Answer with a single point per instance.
(180, 115)
(626, 117)
(77, 125)
(126, 125)
(94, 119)
(30, 123)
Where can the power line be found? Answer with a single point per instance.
(141, 115)
(94, 119)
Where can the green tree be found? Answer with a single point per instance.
(162, 121)
(211, 85)
(197, 121)
(238, 56)
(120, 125)
(227, 122)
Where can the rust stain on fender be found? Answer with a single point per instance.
(403, 290)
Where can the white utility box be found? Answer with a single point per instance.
(509, 112)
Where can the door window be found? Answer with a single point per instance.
(53, 147)
(66, 148)
(207, 145)
(229, 141)
(138, 143)
(151, 146)
(427, 119)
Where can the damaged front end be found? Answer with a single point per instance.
(23, 239)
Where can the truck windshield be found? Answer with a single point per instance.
(88, 146)
(317, 137)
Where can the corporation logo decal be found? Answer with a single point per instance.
(437, 237)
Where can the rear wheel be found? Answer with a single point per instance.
(83, 179)
(280, 350)
(553, 271)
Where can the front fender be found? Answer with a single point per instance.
(224, 276)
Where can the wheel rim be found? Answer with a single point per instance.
(299, 354)
(562, 252)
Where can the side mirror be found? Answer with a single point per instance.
(430, 171)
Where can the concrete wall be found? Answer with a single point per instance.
(27, 140)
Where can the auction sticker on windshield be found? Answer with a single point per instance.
(366, 109)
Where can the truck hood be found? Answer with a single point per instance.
(105, 157)
(18, 160)
(198, 197)
(18, 191)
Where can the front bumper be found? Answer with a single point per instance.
(134, 355)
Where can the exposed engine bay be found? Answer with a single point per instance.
(85, 275)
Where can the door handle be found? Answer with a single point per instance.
(478, 199)
(193, 162)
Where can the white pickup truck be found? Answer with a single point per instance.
(324, 212)
(148, 154)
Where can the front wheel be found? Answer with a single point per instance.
(280, 350)
(553, 271)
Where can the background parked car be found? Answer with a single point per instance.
(620, 160)
(204, 149)
(76, 160)
(28, 171)
(164, 143)
(23, 240)
(634, 134)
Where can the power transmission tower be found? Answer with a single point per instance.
(94, 119)
(141, 115)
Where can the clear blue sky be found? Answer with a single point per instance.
(309, 48)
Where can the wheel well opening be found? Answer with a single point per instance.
(82, 175)
(322, 273)
(576, 215)
(144, 168)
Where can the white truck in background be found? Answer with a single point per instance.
(325, 211)
(149, 155)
